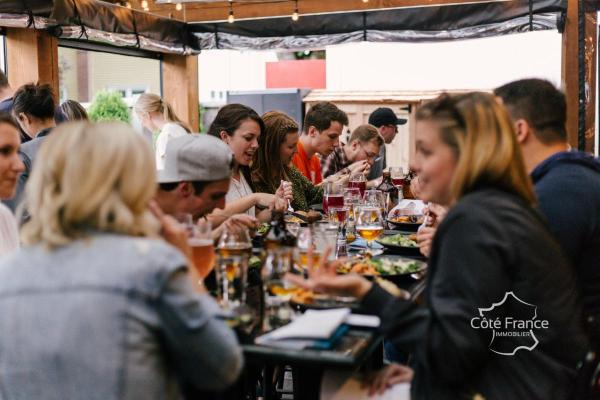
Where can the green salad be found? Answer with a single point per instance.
(263, 229)
(385, 266)
(400, 239)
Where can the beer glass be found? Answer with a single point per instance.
(234, 250)
(369, 224)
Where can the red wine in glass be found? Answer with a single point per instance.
(398, 181)
(361, 185)
(332, 200)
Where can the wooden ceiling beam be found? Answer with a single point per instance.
(219, 11)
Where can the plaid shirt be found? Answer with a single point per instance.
(334, 162)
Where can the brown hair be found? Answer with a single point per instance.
(366, 133)
(268, 168)
(150, 102)
(35, 100)
(71, 110)
(230, 117)
(321, 115)
(537, 101)
(481, 134)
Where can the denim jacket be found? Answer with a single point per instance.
(108, 317)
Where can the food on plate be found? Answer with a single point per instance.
(380, 266)
(292, 219)
(303, 296)
(400, 239)
(263, 229)
(396, 218)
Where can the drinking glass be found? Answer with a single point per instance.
(369, 224)
(359, 181)
(352, 199)
(332, 196)
(338, 217)
(201, 243)
(305, 242)
(325, 236)
(398, 179)
(234, 249)
(375, 198)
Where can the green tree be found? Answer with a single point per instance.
(109, 106)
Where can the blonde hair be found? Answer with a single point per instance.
(150, 102)
(90, 177)
(481, 133)
(366, 133)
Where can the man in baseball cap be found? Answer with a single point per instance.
(386, 121)
(196, 175)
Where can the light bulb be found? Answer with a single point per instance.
(365, 1)
(169, 1)
(178, 7)
(295, 16)
(231, 18)
(144, 4)
(128, 5)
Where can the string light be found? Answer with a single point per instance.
(169, 1)
(230, 18)
(178, 7)
(144, 4)
(128, 5)
(365, 1)
(295, 15)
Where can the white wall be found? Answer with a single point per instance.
(465, 64)
(222, 70)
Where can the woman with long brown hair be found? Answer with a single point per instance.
(272, 162)
(493, 261)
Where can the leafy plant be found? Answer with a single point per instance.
(109, 106)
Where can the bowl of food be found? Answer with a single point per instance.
(409, 223)
(399, 270)
(403, 243)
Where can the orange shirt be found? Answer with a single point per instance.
(310, 168)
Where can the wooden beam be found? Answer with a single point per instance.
(570, 76)
(180, 87)
(219, 11)
(570, 71)
(591, 49)
(32, 56)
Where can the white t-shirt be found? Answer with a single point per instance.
(169, 131)
(9, 233)
(237, 190)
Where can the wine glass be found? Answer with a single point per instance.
(332, 196)
(369, 224)
(397, 175)
(358, 180)
(234, 249)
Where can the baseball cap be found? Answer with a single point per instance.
(196, 157)
(385, 116)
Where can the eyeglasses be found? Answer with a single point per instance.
(370, 156)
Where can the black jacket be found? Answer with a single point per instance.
(491, 243)
(568, 189)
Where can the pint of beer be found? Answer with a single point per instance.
(203, 255)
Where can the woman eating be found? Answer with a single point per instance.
(241, 128)
(492, 258)
(276, 148)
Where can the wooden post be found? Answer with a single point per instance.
(570, 76)
(180, 87)
(32, 56)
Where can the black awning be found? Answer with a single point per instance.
(413, 24)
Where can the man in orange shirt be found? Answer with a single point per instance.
(320, 135)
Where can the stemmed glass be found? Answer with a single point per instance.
(397, 175)
(359, 181)
(234, 250)
(369, 224)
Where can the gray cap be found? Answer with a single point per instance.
(196, 157)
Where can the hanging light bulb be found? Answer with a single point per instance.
(178, 7)
(169, 1)
(144, 4)
(295, 15)
(128, 5)
(365, 1)
(230, 18)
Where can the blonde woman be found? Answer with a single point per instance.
(156, 114)
(492, 259)
(95, 298)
